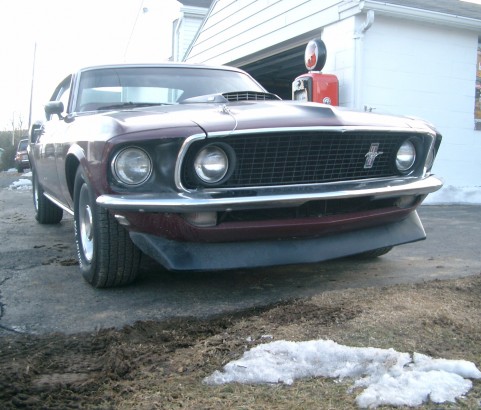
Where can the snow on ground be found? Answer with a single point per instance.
(449, 195)
(388, 377)
(22, 183)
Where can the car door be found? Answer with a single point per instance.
(48, 147)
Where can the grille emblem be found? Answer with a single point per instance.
(372, 155)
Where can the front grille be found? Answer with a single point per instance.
(303, 158)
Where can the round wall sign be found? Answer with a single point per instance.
(315, 55)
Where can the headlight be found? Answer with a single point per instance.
(211, 164)
(132, 166)
(406, 156)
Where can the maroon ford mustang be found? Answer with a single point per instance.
(201, 168)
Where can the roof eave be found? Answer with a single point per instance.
(411, 13)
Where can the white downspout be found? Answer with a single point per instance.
(358, 60)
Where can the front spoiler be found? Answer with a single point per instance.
(198, 202)
(175, 255)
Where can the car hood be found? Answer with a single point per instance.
(223, 118)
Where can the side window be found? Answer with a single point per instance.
(63, 97)
(61, 94)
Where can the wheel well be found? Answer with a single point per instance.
(71, 165)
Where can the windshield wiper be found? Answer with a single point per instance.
(129, 104)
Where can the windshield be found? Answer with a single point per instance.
(22, 145)
(119, 87)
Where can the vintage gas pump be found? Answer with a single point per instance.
(315, 86)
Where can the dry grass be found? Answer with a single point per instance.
(162, 365)
(439, 318)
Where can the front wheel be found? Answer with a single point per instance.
(106, 253)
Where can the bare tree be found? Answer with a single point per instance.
(17, 124)
(20, 122)
(13, 128)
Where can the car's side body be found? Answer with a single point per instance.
(227, 175)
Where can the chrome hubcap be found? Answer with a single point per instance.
(35, 193)
(86, 224)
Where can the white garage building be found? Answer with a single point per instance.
(408, 57)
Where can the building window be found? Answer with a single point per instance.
(477, 102)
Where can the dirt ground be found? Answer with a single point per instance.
(162, 364)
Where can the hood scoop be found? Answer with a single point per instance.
(231, 97)
(249, 96)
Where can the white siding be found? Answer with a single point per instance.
(237, 28)
(428, 71)
(340, 45)
(185, 30)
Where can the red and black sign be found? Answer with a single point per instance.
(315, 55)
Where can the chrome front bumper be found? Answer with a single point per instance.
(186, 202)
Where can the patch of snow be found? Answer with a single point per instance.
(21, 184)
(449, 195)
(387, 376)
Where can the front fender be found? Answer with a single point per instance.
(90, 156)
(75, 157)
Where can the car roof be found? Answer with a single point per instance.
(160, 65)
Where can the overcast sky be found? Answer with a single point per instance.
(69, 34)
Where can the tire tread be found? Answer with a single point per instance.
(117, 259)
(46, 212)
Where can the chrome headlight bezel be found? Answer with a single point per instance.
(132, 166)
(430, 158)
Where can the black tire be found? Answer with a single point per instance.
(375, 253)
(107, 256)
(46, 212)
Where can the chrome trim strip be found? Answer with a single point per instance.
(59, 204)
(180, 159)
(200, 202)
(339, 129)
(333, 128)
